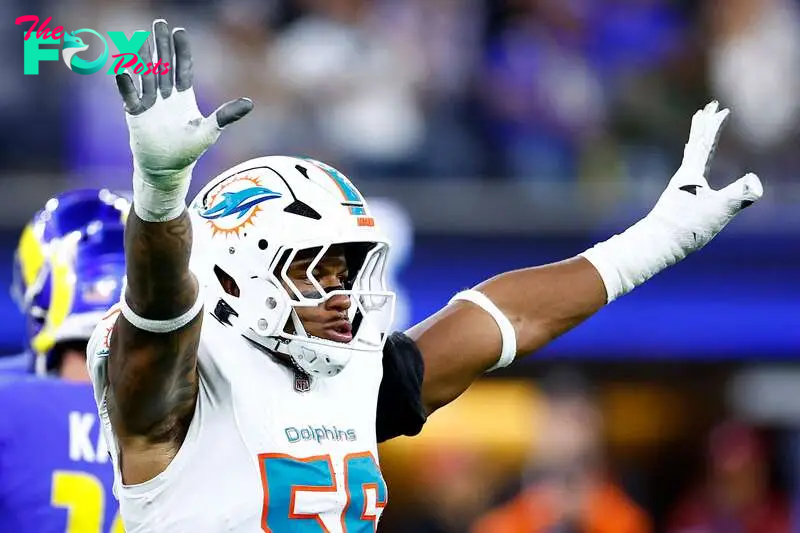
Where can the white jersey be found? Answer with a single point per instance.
(259, 455)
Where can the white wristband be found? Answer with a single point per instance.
(161, 326)
(627, 260)
(163, 202)
(508, 337)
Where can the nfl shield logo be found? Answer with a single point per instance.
(302, 382)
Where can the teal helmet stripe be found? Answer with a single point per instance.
(350, 193)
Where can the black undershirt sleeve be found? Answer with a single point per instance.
(400, 409)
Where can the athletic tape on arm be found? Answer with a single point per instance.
(507, 335)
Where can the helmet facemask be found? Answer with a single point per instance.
(279, 304)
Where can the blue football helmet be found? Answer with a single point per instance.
(69, 269)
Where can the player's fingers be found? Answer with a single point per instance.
(711, 107)
(149, 77)
(743, 192)
(230, 112)
(698, 120)
(719, 121)
(703, 137)
(184, 73)
(164, 52)
(130, 95)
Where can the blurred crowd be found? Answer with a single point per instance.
(571, 482)
(537, 90)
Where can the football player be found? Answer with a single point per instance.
(55, 473)
(252, 370)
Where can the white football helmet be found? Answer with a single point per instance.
(251, 221)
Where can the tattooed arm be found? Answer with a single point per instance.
(153, 376)
(152, 367)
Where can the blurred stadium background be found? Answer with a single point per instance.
(498, 134)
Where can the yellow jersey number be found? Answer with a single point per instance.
(84, 498)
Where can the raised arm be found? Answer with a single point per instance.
(518, 312)
(152, 371)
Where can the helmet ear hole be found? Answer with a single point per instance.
(227, 282)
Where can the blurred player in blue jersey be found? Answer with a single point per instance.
(55, 474)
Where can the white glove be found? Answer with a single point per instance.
(168, 134)
(689, 209)
(686, 217)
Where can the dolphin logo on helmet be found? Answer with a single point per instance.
(239, 202)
